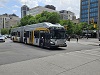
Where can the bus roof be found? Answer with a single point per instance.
(34, 26)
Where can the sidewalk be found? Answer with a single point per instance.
(86, 62)
(84, 41)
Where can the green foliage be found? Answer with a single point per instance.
(14, 26)
(78, 29)
(68, 25)
(32, 20)
(4, 31)
(63, 22)
(91, 27)
(54, 18)
(42, 19)
(37, 17)
(25, 20)
(45, 16)
(86, 26)
(72, 28)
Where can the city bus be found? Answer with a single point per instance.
(42, 34)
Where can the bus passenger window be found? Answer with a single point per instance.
(36, 34)
(18, 34)
(26, 34)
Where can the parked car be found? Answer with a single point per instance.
(2, 38)
(5, 36)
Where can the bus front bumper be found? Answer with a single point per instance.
(62, 45)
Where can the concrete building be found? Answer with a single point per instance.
(50, 7)
(8, 20)
(76, 21)
(39, 9)
(24, 10)
(67, 15)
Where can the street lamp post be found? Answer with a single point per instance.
(87, 31)
(98, 23)
(88, 17)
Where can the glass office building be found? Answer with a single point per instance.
(89, 10)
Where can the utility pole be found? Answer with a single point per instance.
(88, 17)
(98, 23)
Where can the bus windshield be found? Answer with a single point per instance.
(58, 34)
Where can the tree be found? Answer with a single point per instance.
(70, 26)
(4, 31)
(32, 20)
(63, 22)
(37, 17)
(54, 17)
(14, 26)
(78, 29)
(25, 20)
(45, 16)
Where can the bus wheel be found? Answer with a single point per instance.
(41, 45)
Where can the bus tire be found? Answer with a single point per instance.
(41, 45)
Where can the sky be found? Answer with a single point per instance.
(14, 6)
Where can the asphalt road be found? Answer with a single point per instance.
(11, 52)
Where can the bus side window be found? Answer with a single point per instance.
(18, 34)
(36, 34)
(26, 34)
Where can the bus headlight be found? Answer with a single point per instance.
(52, 43)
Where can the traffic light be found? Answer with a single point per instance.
(94, 25)
(92, 21)
(65, 27)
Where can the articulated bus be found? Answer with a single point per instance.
(42, 34)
